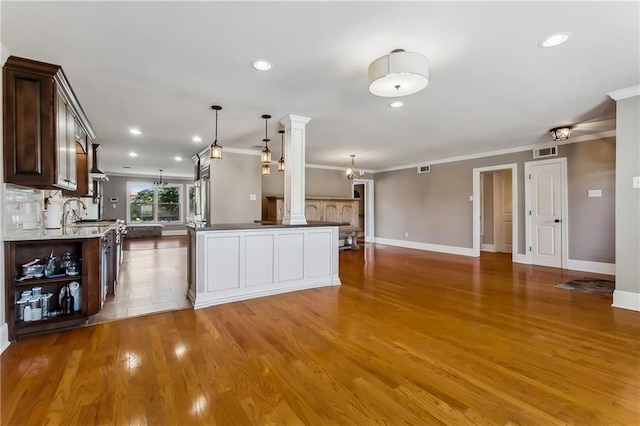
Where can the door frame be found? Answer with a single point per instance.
(564, 197)
(369, 216)
(476, 206)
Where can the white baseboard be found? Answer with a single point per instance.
(595, 267)
(172, 233)
(626, 300)
(199, 304)
(4, 337)
(488, 247)
(462, 251)
(521, 258)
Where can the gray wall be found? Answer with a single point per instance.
(233, 180)
(117, 187)
(591, 165)
(435, 208)
(627, 198)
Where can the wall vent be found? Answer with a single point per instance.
(425, 168)
(550, 151)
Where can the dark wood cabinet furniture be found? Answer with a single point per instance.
(88, 250)
(43, 122)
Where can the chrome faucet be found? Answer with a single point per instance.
(65, 213)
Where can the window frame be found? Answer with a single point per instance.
(181, 206)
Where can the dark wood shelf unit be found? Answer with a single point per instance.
(87, 251)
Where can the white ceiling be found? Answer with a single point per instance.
(159, 66)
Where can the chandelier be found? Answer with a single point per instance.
(265, 154)
(160, 182)
(216, 150)
(351, 172)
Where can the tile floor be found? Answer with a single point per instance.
(151, 280)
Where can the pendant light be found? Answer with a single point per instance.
(265, 154)
(281, 161)
(216, 150)
(351, 172)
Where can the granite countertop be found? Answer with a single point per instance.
(86, 230)
(261, 225)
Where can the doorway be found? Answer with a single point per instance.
(495, 209)
(364, 188)
(358, 192)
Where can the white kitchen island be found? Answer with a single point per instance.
(232, 262)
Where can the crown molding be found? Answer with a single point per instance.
(629, 92)
(583, 138)
(322, 166)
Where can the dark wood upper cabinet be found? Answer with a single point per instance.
(43, 126)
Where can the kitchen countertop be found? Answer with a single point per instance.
(86, 230)
(260, 225)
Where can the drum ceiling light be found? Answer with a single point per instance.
(399, 73)
(560, 133)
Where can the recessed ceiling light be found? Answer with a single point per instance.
(133, 154)
(262, 65)
(555, 39)
(177, 158)
(396, 104)
(135, 131)
(196, 139)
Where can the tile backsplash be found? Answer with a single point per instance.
(22, 208)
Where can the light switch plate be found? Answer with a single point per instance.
(636, 182)
(252, 197)
(594, 193)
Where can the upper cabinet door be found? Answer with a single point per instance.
(29, 124)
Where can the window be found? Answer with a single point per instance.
(149, 203)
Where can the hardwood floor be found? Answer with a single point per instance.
(410, 337)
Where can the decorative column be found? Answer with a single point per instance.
(294, 163)
(627, 292)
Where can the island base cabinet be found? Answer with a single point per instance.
(64, 298)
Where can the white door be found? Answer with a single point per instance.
(545, 192)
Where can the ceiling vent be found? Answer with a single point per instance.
(425, 168)
(550, 151)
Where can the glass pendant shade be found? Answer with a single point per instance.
(281, 164)
(265, 170)
(265, 154)
(216, 150)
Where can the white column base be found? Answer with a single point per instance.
(294, 220)
(626, 300)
